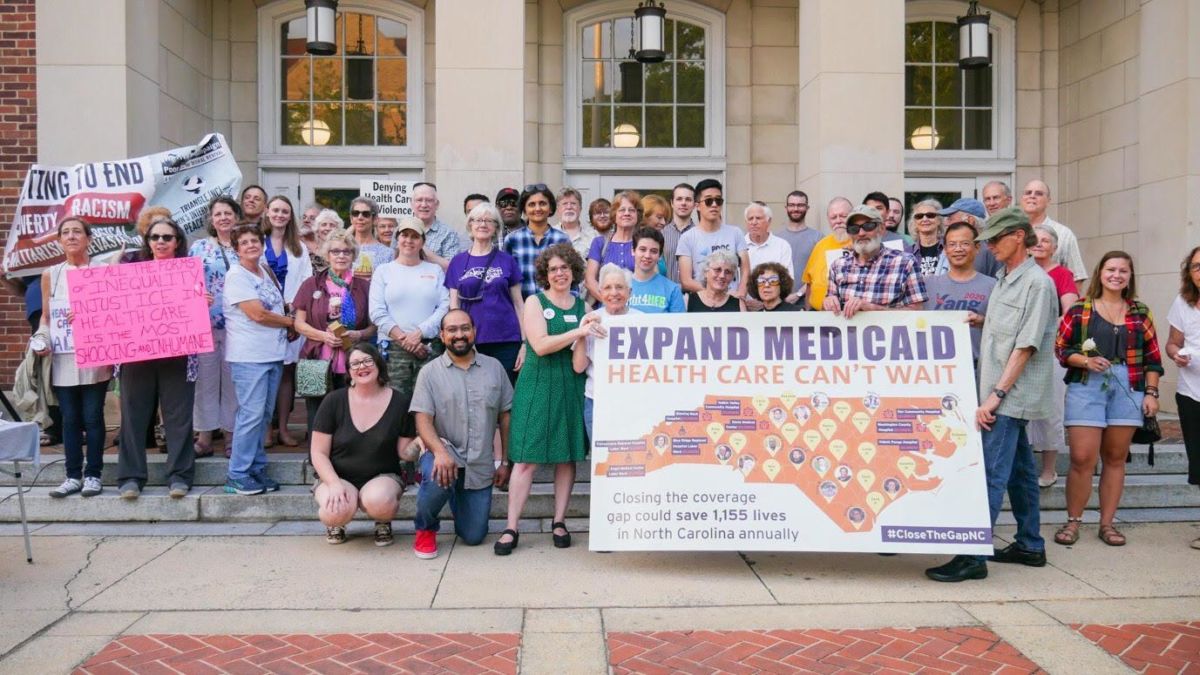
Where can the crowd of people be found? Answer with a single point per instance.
(462, 362)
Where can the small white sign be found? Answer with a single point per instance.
(394, 197)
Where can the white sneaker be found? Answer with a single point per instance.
(91, 486)
(69, 487)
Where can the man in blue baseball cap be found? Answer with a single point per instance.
(971, 211)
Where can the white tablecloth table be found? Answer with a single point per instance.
(19, 443)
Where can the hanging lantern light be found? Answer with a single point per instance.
(973, 48)
(321, 21)
(360, 72)
(651, 18)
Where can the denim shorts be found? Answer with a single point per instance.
(1104, 401)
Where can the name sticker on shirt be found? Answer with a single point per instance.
(570, 318)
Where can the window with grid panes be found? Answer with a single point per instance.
(357, 97)
(626, 104)
(945, 107)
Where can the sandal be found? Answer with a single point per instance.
(506, 547)
(1068, 534)
(203, 449)
(560, 540)
(1111, 536)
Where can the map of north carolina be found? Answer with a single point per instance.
(852, 457)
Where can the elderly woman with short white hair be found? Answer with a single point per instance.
(326, 222)
(926, 226)
(615, 285)
(719, 270)
(327, 301)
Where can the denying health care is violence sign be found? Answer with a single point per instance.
(790, 431)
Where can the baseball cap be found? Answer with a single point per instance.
(1005, 221)
(868, 212)
(410, 223)
(972, 206)
(508, 193)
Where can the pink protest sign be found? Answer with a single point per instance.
(139, 311)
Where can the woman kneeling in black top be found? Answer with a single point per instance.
(359, 436)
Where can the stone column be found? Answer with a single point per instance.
(1168, 178)
(851, 102)
(479, 63)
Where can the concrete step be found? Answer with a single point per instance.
(294, 502)
(1168, 459)
(213, 504)
(287, 468)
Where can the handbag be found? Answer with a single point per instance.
(1147, 434)
(313, 377)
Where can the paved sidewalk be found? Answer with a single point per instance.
(212, 600)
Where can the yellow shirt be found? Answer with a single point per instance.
(816, 272)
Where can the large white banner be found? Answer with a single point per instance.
(110, 195)
(790, 431)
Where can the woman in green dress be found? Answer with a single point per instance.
(547, 413)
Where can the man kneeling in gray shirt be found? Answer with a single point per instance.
(459, 400)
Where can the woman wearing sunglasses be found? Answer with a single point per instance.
(927, 246)
(770, 283)
(371, 253)
(333, 296)
(486, 283)
(169, 382)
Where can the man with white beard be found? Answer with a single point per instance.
(815, 280)
(875, 277)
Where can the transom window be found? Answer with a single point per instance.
(946, 107)
(626, 104)
(357, 97)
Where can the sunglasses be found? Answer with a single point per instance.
(362, 214)
(768, 281)
(924, 216)
(536, 187)
(507, 201)
(714, 201)
(162, 237)
(869, 226)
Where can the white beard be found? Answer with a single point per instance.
(868, 248)
(840, 235)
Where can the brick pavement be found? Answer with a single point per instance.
(1157, 648)
(301, 653)
(889, 650)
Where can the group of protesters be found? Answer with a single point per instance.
(461, 362)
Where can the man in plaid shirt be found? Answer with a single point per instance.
(873, 277)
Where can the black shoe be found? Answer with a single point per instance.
(960, 568)
(503, 547)
(561, 540)
(1015, 554)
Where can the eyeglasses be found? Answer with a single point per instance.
(481, 221)
(995, 241)
(721, 271)
(714, 201)
(506, 202)
(1195, 267)
(957, 245)
(162, 237)
(341, 251)
(536, 187)
(924, 216)
(362, 214)
(361, 364)
(768, 281)
(869, 226)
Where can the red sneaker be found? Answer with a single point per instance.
(425, 545)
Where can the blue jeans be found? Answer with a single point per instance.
(1009, 465)
(255, 385)
(83, 413)
(469, 507)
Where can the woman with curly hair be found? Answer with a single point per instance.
(547, 415)
(1107, 343)
(770, 283)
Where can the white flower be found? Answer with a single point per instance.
(1089, 345)
(1184, 351)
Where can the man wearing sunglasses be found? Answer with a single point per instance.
(1015, 370)
(875, 277)
(510, 215)
(441, 241)
(710, 234)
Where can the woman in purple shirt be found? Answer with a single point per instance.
(485, 282)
